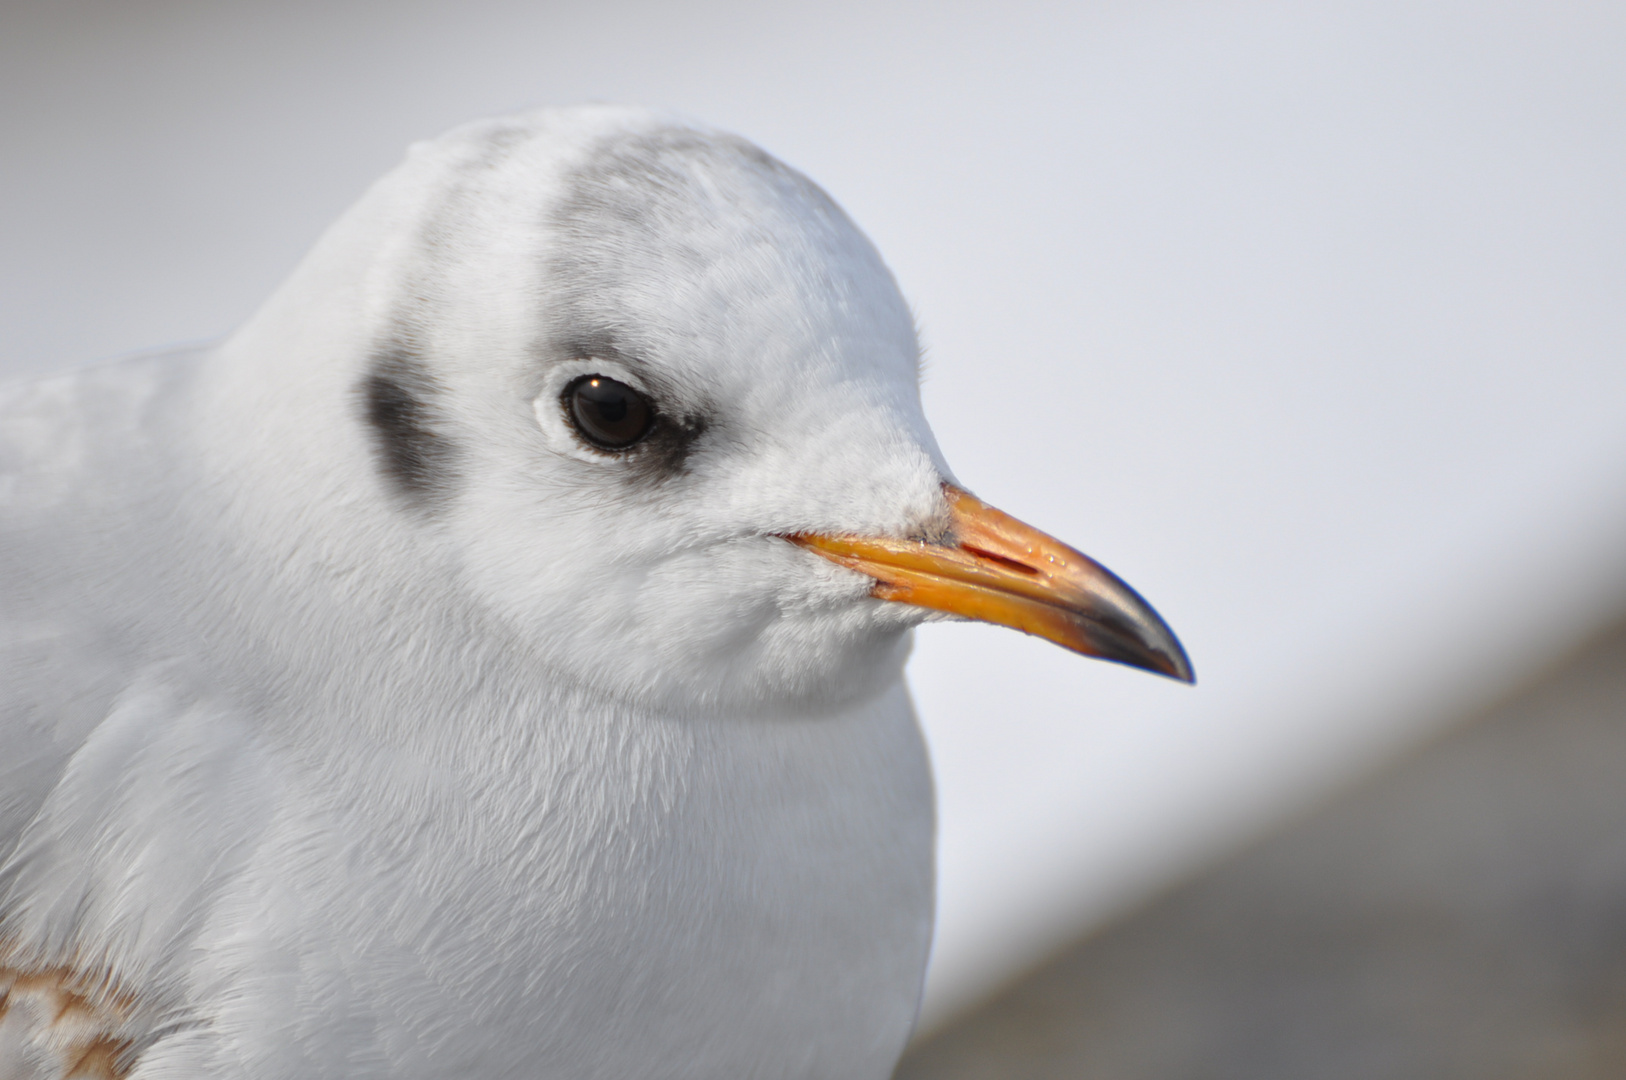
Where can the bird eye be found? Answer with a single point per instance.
(609, 414)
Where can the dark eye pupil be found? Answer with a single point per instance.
(608, 413)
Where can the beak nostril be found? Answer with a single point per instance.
(1002, 560)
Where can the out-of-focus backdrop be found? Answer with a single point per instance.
(1309, 320)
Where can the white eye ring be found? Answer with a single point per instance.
(548, 407)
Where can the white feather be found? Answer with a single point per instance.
(546, 766)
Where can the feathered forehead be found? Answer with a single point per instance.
(610, 206)
(613, 173)
(668, 232)
(667, 176)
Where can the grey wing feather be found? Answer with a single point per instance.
(70, 468)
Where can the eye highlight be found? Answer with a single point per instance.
(609, 414)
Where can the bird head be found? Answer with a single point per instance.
(657, 399)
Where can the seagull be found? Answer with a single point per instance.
(487, 662)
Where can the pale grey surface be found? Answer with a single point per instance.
(1463, 915)
(1305, 319)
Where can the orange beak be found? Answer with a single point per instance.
(993, 568)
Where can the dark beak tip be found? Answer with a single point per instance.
(1171, 665)
(1148, 644)
(1173, 661)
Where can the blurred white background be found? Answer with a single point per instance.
(1309, 320)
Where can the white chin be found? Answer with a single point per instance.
(796, 666)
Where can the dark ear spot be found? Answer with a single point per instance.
(398, 403)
